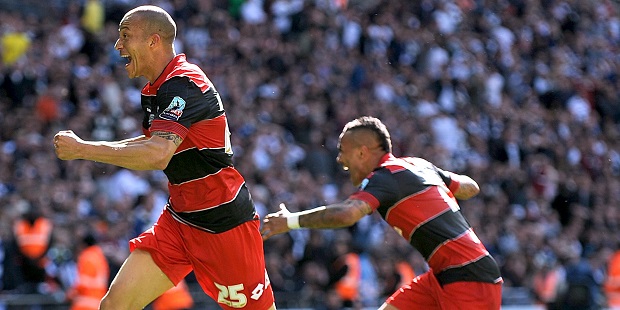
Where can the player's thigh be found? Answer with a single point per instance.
(138, 282)
(472, 295)
(230, 267)
(423, 292)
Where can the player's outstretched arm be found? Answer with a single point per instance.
(336, 215)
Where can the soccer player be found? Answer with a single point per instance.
(419, 200)
(210, 224)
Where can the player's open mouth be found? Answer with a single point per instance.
(345, 168)
(127, 59)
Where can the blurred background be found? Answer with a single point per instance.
(522, 95)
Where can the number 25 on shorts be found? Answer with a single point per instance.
(232, 296)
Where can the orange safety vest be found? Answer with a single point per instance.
(176, 298)
(612, 284)
(347, 287)
(546, 285)
(406, 273)
(92, 280)
(33, 240)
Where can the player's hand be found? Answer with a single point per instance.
(66, 144)
(275, 223)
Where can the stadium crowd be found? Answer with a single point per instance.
(522, 95)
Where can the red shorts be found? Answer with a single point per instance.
(229, 266)
(424, 292)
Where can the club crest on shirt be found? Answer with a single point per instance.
(398, 230)
(174, 111)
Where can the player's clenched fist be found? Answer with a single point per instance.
(66, 144)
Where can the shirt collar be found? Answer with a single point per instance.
(178, 59)
(385, 158)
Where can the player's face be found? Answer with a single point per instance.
(132, 44)
(349, 156)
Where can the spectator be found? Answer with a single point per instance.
(33, 234)
(93, 17)
(15, 42)
(612, 283)
(176, 298)
(93, 275)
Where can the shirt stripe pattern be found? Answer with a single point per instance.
(205, 188)
(412, 195)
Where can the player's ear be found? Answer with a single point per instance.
(154, 39)
(363, 150)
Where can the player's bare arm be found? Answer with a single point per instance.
(138, 153)
(133, 139)
(336, 215)
(468, 188)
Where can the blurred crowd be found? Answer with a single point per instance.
(522, 95)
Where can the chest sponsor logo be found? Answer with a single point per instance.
(174, 110)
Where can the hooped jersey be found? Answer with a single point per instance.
(414, 197)
(206, 191)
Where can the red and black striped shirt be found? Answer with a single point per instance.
(415, 198)
(206, 191)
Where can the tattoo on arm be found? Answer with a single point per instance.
(359, 205)
(169, 136)
(337, 215)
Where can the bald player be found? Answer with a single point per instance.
(209, 225)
